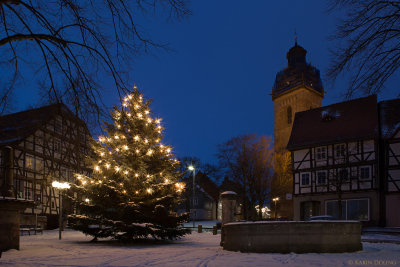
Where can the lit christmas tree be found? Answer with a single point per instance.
(134, 189)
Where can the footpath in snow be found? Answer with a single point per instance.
(193, 250)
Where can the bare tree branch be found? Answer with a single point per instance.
(367, 44)
(76, 43)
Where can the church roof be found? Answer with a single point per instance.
(350, 120)
(298, 73)
(18, 126)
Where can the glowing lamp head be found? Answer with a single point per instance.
(59, 185)
(191, 168)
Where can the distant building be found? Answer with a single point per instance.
(349, 150)
(205, 200)
(49, 143)
(297, 88)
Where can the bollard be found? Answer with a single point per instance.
(200, 228)
(215, 231)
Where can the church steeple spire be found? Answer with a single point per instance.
(297, 74)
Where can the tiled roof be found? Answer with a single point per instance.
(205, 183)
(345, 121)
(17, 126)
(208, 185)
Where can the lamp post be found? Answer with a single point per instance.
(275, 200)
(193, 169)
(60, 187)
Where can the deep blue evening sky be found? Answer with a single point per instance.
(217, 83)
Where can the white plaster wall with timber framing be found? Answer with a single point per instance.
(54, 152)
(315, 169)
(393, 179)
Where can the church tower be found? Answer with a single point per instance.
(297, 88)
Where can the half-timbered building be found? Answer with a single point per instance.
(48, 143)
(390, 133)
(347, 152)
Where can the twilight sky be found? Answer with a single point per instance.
(216, 84)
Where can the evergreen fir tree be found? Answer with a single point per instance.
(133, 191)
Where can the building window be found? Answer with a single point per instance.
(82, 137)
(321, 177)
(365, 173)
(340, 150)
(357, 209)
(321, 153)
(39, 164)
(29, 162)
(289, 115)
(58, 127)
(352, 209)
(57, 146)
(305, 179)
(343, 175)
(64, 173)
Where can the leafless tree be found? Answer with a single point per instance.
(70, 45)
(282, 182)
(248, 160)
(367, 44)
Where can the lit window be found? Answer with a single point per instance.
(321, 177)
(39, 164)
(305, 179)
(29, 162)
(365, 173)
(321, 153)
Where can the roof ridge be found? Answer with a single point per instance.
(32, 110)
(340, 103)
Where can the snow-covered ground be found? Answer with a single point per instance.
(194, 250)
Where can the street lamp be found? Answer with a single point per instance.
(60, 187)
(275, 200)
(193, 169)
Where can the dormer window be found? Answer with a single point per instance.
(329, 115)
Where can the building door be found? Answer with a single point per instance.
(309, 209)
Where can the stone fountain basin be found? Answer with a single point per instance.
(293, 236)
